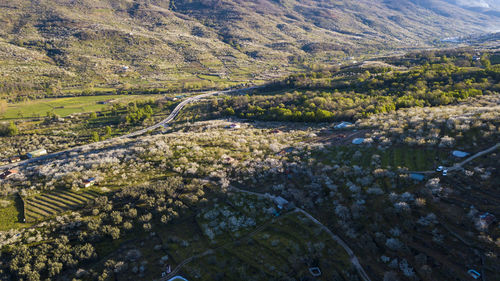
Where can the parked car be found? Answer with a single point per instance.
(439, 169)
(445, 172)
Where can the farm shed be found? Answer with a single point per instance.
(315, 271)
(485, 220)
(177, 278)
(343, 125)
(14, 159)
(88, 182)
(233, 126)
(282, 203)
(417, 177)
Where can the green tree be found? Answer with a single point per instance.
(12, 129)
(85, 252)
(322, 115)
(54, 268)
(94, 137)
(229, 111)
(485, 61)
(114, 232)
(116, 217)
(148, 110)
(127, 225)
(108, 131)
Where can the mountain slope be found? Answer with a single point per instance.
(47, 45)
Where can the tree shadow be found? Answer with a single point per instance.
(19, 204)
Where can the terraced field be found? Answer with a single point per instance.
(49, 204)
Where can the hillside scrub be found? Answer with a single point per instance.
(467, 124)
(164, 197)
(155, 181)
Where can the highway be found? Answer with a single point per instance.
(173, 114)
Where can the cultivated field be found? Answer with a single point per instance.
(64, 106)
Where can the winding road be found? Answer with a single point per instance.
(173, 114)
(163, 122)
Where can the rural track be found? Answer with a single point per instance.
(212, 251)
(479, 154)
(354, 260)
(93, 146)
(459, 165)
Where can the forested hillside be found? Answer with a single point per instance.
(351, 93)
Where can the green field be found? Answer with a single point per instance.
(64, 106)
(10, 213)
(413, 158)
(495, 59)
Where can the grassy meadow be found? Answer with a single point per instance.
(11, 213)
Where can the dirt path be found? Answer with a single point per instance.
(479, 154)
(354, 259)
(459, 165)
(212, 251)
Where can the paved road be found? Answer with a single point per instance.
(94, 145)
(172, 115)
